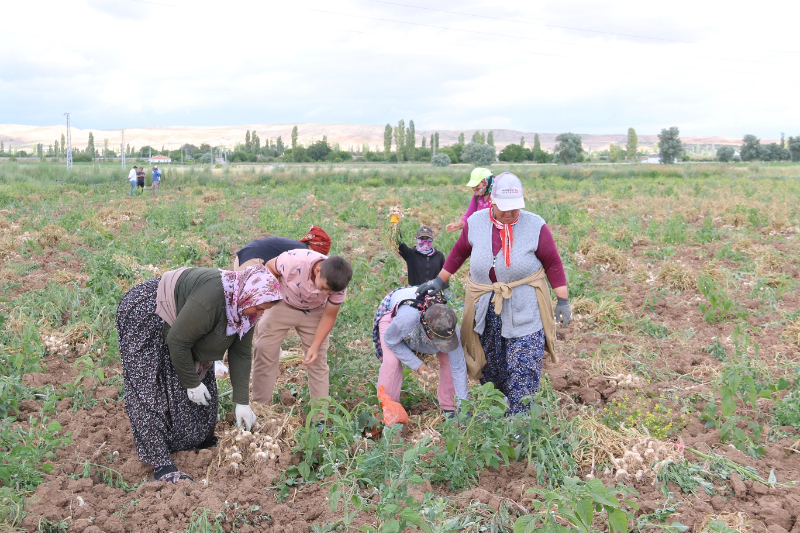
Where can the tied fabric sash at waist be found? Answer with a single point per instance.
(476, 358)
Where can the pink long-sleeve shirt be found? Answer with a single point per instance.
(546, 252)
(476, 204)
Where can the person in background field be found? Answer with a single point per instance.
(132, 179)
(260, 251)
(171, 331)
(508, 316)
(423, 261)
(405, 327)
(480, 180)
(140, 178)
(156, 181)
(313, 287)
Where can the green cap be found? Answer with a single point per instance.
(477, 176)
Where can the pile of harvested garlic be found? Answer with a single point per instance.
(55, 344)
(249, 448)
(643, 460)
(625, 380)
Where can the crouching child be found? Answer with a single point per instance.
(316, 287)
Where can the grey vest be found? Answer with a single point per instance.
(520, 313)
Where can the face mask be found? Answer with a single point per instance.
(424, 246)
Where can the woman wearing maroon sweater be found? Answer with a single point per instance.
(508, 316)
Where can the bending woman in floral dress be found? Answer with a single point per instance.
(171, 330)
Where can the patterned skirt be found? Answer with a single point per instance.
(163, 419)
(512, 365)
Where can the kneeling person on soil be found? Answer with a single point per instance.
(313, 287)
(402, 331)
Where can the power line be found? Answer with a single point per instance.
(551, 25)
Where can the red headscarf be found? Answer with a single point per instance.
(318, 240)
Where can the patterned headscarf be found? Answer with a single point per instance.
(318, 240)
(425, 246)
(247, 288)
(487, 190)
(506, 235)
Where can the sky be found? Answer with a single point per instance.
(712, 68)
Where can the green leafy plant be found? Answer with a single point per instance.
(580, 504)
(27, 451)
(719, 306)
(479, 436)
(740, 383)
(205, 521)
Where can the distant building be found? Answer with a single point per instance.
(655, 159)
(159, 159)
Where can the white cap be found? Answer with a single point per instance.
(507, 192)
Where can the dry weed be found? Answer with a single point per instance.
(641, 273)
(608, 364)
(212, 197)
(606, 256)
(792, 332)
(51, 235)
(676, 275)
(738, 521)
(607, 308)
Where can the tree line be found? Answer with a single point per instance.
(400, 145)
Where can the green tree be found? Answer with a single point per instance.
(725, 154)
(55, 148)
(437, 141)
(279, 147)
(490, 138)
(537, 147)
(569, 148)
(461, 138)
(423, 141)
(613, 153)
(513, 153)
(387, 141)
(633, 141)
(522, 142)
(319, 150)
(750, 148)
(476, 137)
(90, 146)
(433, 143)
(479, 154)
(294, 143)
(105, 149)
(440, 160)
(63, 150)
(400, 139)
(3, 147)
(670, 147)
(794, 148)
(255, 143)
(247, 143)
(411, 141)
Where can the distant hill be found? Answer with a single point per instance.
(347, 135)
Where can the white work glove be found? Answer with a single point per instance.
(245, 414)
(199, 394)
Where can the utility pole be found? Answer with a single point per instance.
(122, 149)
(69, 145)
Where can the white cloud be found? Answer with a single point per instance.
(126, 63)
